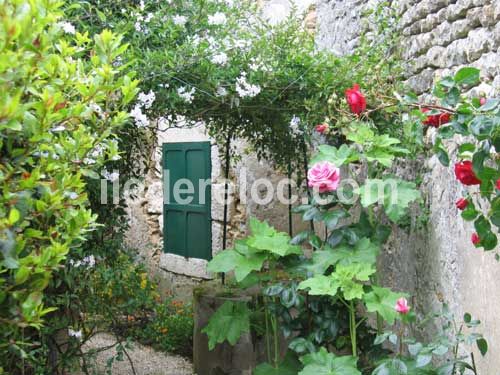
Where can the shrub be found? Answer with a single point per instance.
(61, 101)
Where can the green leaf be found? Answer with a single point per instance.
(320, 285)
(394, 194)
(289, 366)
(325, 363)
(243, 265)
(343, 155)
(363, 252)
(383, 301)
(467, 76)
(266, 238)
(229, 322)
(14, 216)
(482, 345)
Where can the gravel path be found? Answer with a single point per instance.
(146, 360)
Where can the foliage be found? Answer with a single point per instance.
(241, 74)
(477, 119)
(228, 323)
(58, 112)
(169, 328)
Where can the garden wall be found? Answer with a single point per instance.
(437, 263)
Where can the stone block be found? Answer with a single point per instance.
(218, 202)
(154, 197)
(185, 266)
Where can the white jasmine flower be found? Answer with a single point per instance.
(218, 18)
(221, 91)
(219, 59)
(67, 27)
(245, 89)
(179, 20)
(186, 95)
(76, 334)
(294, 125)
(146, 100)
(141, 120)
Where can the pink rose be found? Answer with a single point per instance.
(402, 306)
(324, 176)
(482, 101)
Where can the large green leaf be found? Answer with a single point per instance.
(383, 301)
(348, 278)
(325, 363)
(363, 252)
(231, 260)
(266, 238)
(229, 322)
(394, 194)
(467, 76)
(320, 285)
(337, 156)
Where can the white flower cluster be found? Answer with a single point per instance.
(142, 21)
(219, 59)
(146, 100)
(246, 89)
(76, 334)
(94, 154)
(218, 18)
(294, 125)
(110, 176)
(143, 101)
(67, 27)
(257, 65)
(185, 94)
(221, 91)
(179, 20)
(88, 261)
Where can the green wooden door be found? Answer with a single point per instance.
(187, 227)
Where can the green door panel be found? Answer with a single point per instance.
(187, 227)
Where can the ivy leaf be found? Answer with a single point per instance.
(383, 300)
(325, 363)
(229, 322)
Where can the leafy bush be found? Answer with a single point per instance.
(169, 328)
(61, 100)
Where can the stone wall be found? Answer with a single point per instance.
(437, 263)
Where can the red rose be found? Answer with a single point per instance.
(321, 128)
(462, 203)
(475, 238)
(465, 174)
(355, 99)
(436, 120)
(497, 184)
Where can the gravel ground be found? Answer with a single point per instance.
(146, 360)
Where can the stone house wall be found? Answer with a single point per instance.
(437, 263)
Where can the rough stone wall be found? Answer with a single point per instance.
(437, 263)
